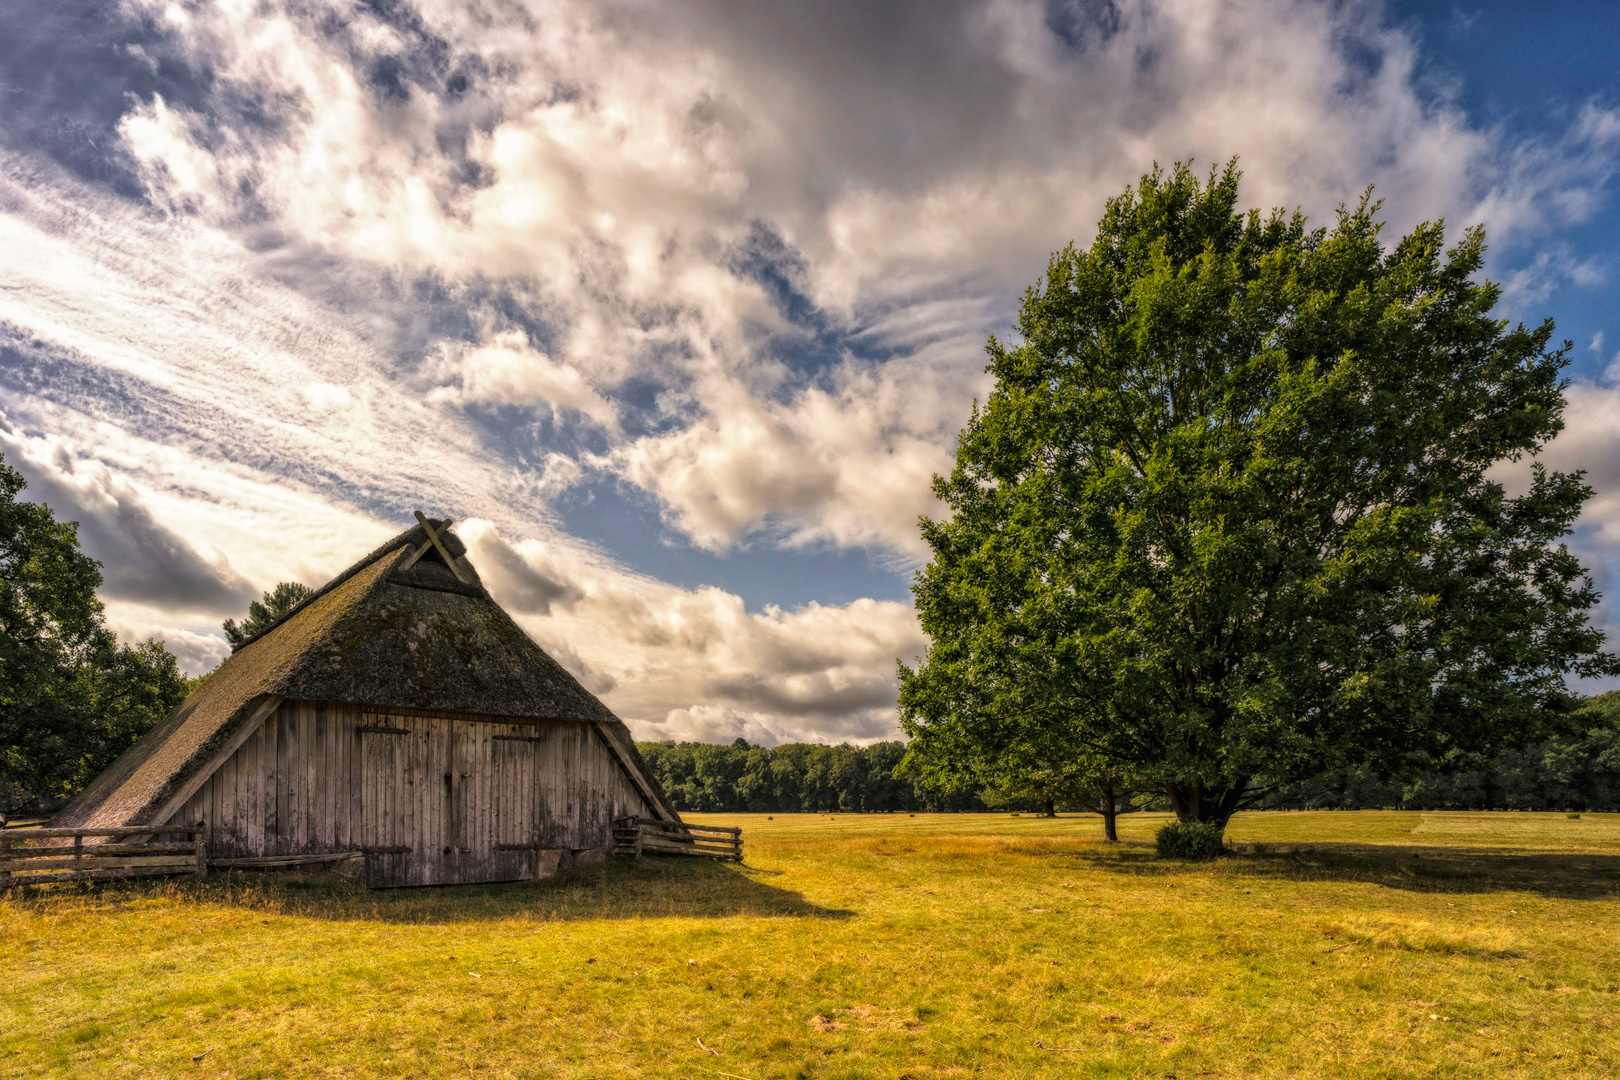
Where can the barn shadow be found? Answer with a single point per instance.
(619, 889)
(1564, 875)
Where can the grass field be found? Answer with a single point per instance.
(1333, 945)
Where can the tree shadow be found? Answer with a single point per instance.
(619, 889)
(1414, 868)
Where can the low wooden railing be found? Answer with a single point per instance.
(37, 856)
(638, 835)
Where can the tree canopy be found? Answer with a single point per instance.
(1227, 519)
(262, 613)
(71, 697)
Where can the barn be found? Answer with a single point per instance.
(397, 716)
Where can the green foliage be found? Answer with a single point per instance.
(1579, 769)
(71, 697)
(1225, 521)
(793, 777)
(262, 613)
(1193, 840)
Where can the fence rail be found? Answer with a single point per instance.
(38, 856)
(637, 836)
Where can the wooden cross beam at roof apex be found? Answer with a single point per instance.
(434, 541)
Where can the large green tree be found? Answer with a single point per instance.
(71, 697)
(1227, 518)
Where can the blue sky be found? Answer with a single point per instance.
(1528, 70)
(677, 305)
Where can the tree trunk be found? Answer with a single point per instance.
(1051, 809)
(1110, 812)
(1209, 805)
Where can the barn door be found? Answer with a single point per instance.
(404, 804)
(385, 796)
(518, 824)
(448, 801)
(487, 841)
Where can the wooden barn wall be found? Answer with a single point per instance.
(322, 777)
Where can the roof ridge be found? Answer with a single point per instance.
(401, 540)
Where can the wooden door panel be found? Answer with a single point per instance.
(384, 757)
(453, 801)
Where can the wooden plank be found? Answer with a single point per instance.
(320, 762)
(309, 739)
(428, 828)
(651, 844)
(186, 861)
(288, 774)
(208, 805)
(122, 830)
(351, 748)
(696, 848)
(337, 769)
(98, 850)
(377, 729)
(183, 793)
(484, 792)
(427, 546)
(369, 827)
(264, 779)
(248, 809)
(444, 553)
(286, 860)
(441, 832)
(544, 782)
(95, 875)
(286, 780)
(440, 800)
(261, 825)
(688, 825)
(314, 794)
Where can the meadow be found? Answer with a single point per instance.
(1333, 944)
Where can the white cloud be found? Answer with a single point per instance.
(661, 655)
(848, 467)
(623, 151)
(506, 369)
(745, 256)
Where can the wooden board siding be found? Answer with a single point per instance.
(471, 799)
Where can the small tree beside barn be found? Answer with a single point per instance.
(397, 714)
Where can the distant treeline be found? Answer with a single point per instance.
(1576, 772)
(795, 776)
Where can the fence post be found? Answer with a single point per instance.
(202, 850)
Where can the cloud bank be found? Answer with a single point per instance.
(316, 265)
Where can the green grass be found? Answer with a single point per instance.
(1333, 945)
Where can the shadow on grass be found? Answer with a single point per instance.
(1564, 875)
(674, 888)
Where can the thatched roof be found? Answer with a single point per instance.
(398, 628)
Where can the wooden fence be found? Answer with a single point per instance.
(638, 836)
(36, 856)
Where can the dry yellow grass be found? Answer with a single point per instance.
(1334, 945)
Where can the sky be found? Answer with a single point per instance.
(675, 306)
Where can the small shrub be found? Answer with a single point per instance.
(1189, 840)
(1572, 816)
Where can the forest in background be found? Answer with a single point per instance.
(1579, 771)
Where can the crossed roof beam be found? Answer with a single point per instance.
(434, 541)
